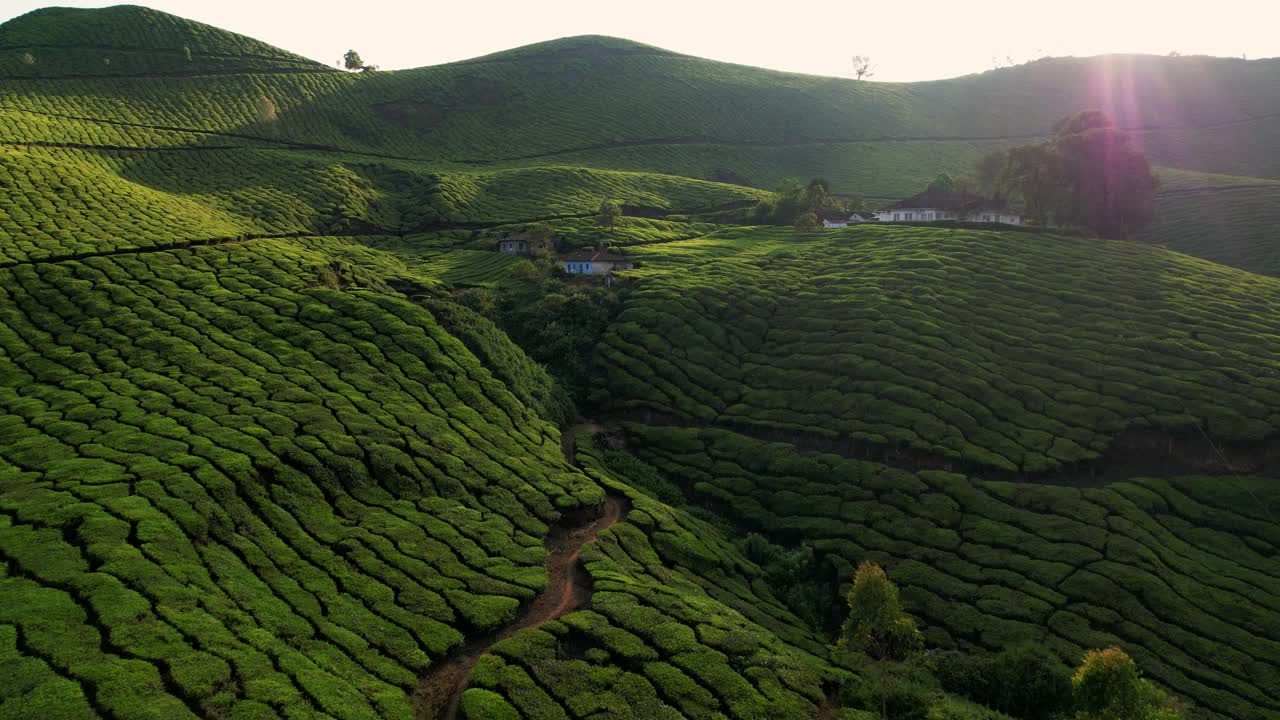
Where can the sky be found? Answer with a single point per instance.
(920, 40)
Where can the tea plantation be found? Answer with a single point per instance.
(270, 446)
(996, 351)
(1181, 572)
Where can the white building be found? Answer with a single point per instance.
(933, 205)
(832, 219)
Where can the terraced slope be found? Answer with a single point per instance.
(255, 481)
(229, 489)
(1182, 572)
(1007, 352)
(1224, 218)
(69, 202)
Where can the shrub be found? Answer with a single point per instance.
(1108, 686)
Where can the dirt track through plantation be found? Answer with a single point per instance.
(440, 694)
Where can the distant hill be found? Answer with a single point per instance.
(124, 79)
(128, 40)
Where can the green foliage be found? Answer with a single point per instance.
(231, 489)
(468, 320)
(1088, 174)
(1107, 686)
(876, 623)
(794, 575)
(1026, 680)
(351, 60)
(985, 565)
(560, 327)
(609, 213)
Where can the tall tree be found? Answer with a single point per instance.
(876, 622)
(352, 61)
(1088, 174)
(1110, 187)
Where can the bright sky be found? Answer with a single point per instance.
(919, 40)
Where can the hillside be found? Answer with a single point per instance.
(131, 40)
(281, 435)
(118, 81)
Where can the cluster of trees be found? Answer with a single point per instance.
(800, 205)
(1024, 681)
(1088, 174)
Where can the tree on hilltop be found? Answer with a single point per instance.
(352, 60)
(862, 67)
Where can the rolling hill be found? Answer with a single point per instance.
(265, 451)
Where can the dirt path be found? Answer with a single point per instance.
(441, 689)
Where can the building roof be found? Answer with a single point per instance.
(833, 216)
(593, 256)
(942, 200)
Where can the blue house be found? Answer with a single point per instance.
(594, 262)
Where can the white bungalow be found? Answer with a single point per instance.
(940, 205)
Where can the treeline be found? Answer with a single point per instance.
(802, 205)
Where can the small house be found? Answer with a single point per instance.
(514, 245)
(943, 205)
(594, 262)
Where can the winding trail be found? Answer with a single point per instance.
(440, 693)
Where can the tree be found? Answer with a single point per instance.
(943, 183)
(1034, 173)
(989, 171)
(1029, 681)
(351, 60)
(876, 622)
(1087, 174)
(862, 67)
(1109, 185)
(1108, 686)
(807, 222)
(609, 213)
(793, 202)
